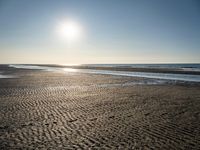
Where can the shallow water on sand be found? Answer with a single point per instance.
(3, 76)
(160, 76)
(165, 76)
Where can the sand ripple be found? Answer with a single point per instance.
(55, 111)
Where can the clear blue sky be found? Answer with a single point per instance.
(115, 31)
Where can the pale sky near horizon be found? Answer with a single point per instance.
(114, 31)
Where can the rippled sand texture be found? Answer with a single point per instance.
(73, 111)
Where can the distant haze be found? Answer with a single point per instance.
(112, 31)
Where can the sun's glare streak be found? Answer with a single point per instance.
(69, 30)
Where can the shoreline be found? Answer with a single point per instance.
(125, 68)
(151, 70)
(116, 72)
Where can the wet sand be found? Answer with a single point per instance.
(49, 110)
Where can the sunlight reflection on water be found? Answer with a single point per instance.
(70, 70)
(6, 76)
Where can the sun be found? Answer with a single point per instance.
(69, 30)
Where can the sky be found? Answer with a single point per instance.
(113, 31)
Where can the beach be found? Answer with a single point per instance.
(56, 110)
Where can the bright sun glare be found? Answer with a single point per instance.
(69, 30)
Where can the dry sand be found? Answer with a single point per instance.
(46, 110)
